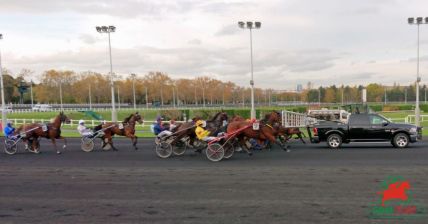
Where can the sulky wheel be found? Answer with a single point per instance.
(164, 150)
(87, 144)
(229, 149)
(179, 148)
(215, 152)
(10, 146)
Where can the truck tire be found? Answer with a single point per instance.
(400, 140)
(334, 141)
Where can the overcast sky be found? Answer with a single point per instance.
(323, 41)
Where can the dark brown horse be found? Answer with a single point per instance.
(50, 131)
(187, 129)
(288, 133)
(125, 128)
(266, 130)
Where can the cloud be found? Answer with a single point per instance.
(228, 30)
(87, 39)
(123, 8)
(195, 42)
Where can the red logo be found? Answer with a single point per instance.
(396, 201)
(395, 190)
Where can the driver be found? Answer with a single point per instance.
(83, 130)
(201, 133)
(160, 130)
(9, 130)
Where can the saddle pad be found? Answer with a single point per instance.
(45, 127)
(256, 126)
(120, 126)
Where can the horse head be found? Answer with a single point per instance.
(138, 117)
(274, 117)
(223, 116)
(63, 118)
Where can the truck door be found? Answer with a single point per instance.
(378, 128)
(358, 123)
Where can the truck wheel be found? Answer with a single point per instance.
(400, 140)
(334, 141)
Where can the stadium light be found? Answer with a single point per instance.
(419, 21)
(108, 30)
(249, 25)
(3, 103)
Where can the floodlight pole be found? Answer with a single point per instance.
(419, 21)
(90, 97)
(249, 25)
(3, 106)
(31, 92)
(133, 90)
(108, 30)
(60, 94)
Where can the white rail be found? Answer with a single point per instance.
(293, 119)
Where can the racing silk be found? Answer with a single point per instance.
(8, 131)
(201, 133)
(83, 131)
(158, 128)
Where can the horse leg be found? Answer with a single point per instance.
(65, 141)
(301, 137)
(110, 141)
(243, 144)
(56, 148)
(134, 141)
(271, 138)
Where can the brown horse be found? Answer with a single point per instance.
(266, 130)
(50, 131)
(125, 128)
(288, 133)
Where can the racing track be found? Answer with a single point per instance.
(311, 184)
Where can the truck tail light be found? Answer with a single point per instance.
(315, 130)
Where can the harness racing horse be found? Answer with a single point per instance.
(266, 130)
(188, 129)
(125, 128)
(288, 133)
(50, 131)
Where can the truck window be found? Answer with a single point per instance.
(376, 120)
(358, 119)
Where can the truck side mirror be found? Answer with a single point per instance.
(385, 123)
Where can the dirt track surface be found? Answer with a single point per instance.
(311, 184)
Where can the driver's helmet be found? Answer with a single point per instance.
(9, 123)
(81, 121)
(199, 123)
(159, 119)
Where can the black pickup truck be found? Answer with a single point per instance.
(366, 128)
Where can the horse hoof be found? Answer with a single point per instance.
(58, 152)
(250, 154)
(64, 146)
